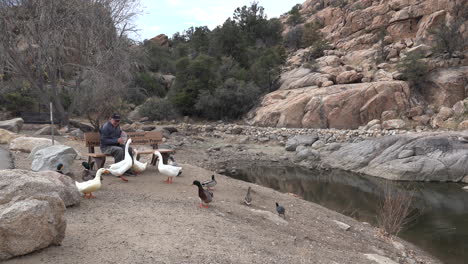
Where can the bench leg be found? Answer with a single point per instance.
(165, 157)
(154, 159)
(138, 157)
(100, 162)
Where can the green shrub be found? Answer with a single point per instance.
(230, 101)
(294, 16)
(311, 34)
(136, 95)
(414, 70)
(150, 84)
(266, 68)
(293, 38)
(448, 39)
(18, 102)
(192, 77)
(381, 54)
(159, 58)
(338, 3)
(158, 109)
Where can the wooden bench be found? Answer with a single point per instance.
(38, 118)
(152, 138)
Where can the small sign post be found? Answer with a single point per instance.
(52, 123)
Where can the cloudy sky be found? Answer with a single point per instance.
(171, 16)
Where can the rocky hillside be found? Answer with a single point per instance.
(358, 79)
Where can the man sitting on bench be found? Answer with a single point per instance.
(112, 140)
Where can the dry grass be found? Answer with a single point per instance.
(395, 209)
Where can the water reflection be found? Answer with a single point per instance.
(441, 226)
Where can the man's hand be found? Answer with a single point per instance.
(121, 140)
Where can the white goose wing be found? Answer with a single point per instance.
(137, 165)
(91, 185)
(117, 165)
(169, 170)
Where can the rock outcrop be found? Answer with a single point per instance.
(339, 106)
(26, 144)
(368, 38)
(32, 207)
(48, 157)
(410, 157)
(47, 130)
(6, 136)
(161, 40)
(13, 125)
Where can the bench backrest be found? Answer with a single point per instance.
(38, 118)
(152, 138)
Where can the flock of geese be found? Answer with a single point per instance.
(92, 180)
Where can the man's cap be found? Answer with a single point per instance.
(115, 116)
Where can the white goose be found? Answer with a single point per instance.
(168, 170)
(119, 168)
(138, 167)
(90, 186)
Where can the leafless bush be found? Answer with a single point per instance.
(394, 210)
(49, 42)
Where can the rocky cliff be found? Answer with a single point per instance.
(357, 80)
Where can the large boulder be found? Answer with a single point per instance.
(48, 157)
(13, 125)
(135, 114)
(300, 140)
(5, 160)
(338, 106)
(83, 127)
(32, 210)
(47, 130)
(434, 157)
(447, 86)
(302, 77)
(6, 136)
(348, 77)
(26, 144)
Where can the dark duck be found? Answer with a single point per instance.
(248, 198)
(205, 196)
(281, 211)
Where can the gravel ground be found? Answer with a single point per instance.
(148, 221)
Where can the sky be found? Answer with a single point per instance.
(171, 16)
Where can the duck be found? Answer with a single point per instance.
(248, 198)
(86, 165)
(88, 173)
(209, 183)
(138, 167)
(168, 170)
(171, 161)
(59, 168)
(205, 196)
(119, 168)
(280, 209)
(88, 187)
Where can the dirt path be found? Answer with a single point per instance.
(148, 221)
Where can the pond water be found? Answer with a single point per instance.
(440, 215)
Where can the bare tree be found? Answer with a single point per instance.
(49, 41)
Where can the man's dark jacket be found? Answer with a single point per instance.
(109, 135)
